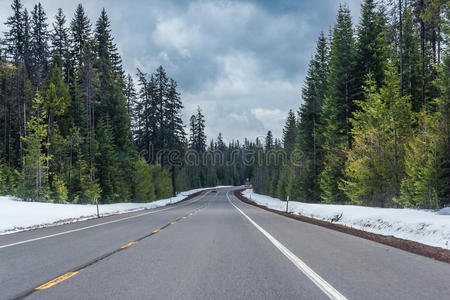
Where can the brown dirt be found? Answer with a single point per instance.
(407, 245)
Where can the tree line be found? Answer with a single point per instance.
(69, 116)
(75, 128)
(373, 128)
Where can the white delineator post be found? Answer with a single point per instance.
(287, 204)
(96, 202)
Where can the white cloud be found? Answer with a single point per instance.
(175, 33)
(241, 102)
(271, 117)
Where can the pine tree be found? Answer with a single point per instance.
(220, 145)
(370, 46)
(338, 107)
(411, 59)
(131, 98)
(19, 111)
(39, 46)
(106, 163)
(60, 44)
(107, 49)
(194, 171)
(80, 32)
(88, 78)
(289, 133)
(309, 153)
(35, 161)
(111, 98)
(376, 164)
(27, 43)
(175, 129)
(143, 190)
(428, 152)
(160, 103)
(145, 129)
(14, 36)
(197, 139)
(175, 132)
(56, 102)
(269, 141)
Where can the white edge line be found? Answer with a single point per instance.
(100, 224)
(327, 288)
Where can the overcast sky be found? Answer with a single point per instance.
(242, 62)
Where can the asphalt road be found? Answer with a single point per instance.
(210, 247)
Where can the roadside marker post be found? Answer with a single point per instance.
(287, 204)
(96, 202)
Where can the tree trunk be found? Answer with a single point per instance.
(422, 50)
(173, 181)
(397, 183)
(401, 45)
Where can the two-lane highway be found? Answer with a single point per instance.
(210, 247)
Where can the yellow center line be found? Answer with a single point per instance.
(70, 274)
(128, 245)
(56, 281)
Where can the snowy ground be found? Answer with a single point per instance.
(17, 215)
(423, 226)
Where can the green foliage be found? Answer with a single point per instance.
(79, 141)
(197, 138)
(411, 59)
(90, 191)
(381, 129)
(107, 163)
(428, 152)
(161, 181)
(61, 192)
(337, 108)
(35, 161)
(289, 133)
(283, 183)
(144, 189)
(309, 145)
(3, 178)
(371, 45)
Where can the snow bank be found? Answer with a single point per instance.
(423, 226)
(17, 215)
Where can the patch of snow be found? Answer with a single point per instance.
(444, 211)
(423, 226)
(17, 215)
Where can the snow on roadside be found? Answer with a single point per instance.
(17, 215)
(423, 226)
